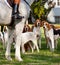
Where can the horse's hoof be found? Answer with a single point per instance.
(52, 50)
(8, 58)
(19, 59)
(38, 51)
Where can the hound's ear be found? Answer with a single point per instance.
(42, 23)
(49, 26)
(35, 24)
(52, 26)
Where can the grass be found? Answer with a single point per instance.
(44, 57)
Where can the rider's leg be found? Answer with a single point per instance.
(16, 9)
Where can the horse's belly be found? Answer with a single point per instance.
(5, 22)
(5, 14)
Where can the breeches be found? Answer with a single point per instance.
(16, 1)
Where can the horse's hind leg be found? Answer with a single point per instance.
(8, 49)
(17, 50)
(19, 28)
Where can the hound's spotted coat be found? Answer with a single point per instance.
(52, 33)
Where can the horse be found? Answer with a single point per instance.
(16, 27)
(49, 5)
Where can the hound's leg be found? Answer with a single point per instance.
(51, 37)
(39, 42)
(52, 43)
(55, 44)
(23, 49)
(3, 43)
(31, 47)
(35, 43)
(49, 43)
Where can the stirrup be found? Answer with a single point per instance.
(19, 17)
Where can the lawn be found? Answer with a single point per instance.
(44, 57)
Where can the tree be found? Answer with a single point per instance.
(38, 8)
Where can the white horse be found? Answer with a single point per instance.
(5, 19)
(50, 16)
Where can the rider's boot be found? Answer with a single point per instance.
(16, 13)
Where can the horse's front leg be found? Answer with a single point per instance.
(8, 48)
(19, 28)
(17, 48)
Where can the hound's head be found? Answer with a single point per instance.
(26, 28)
(38, 23)
(47, 26)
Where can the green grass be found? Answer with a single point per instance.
(44, 57)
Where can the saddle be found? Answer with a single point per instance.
(10, 2)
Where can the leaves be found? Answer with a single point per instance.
(38, 8)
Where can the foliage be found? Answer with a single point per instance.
(38, 8)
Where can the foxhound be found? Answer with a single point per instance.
(27, 45)
(49, 34)
(37, 31)
(52, 34)
(26, 28)
(26, 37)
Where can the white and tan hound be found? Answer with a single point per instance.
(37, 31)
(49, 35)
(26, 28)
(27, 45)
(26, 38)
(52, 33)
